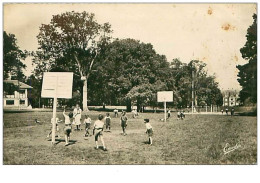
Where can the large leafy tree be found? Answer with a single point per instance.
(247, 76)
(126, 65)
(71, 41)
(13, 58)
(206, 90)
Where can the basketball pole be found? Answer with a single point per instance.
(54, 121)
(54, 114)
(164, 111)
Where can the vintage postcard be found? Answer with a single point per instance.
(129, 84)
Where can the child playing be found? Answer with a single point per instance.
(178, 115)
(182, 114)
(87, 123)
(149, 130)
(232, 111)
(116, 112)
(97, 131)
(57, 127)
(124, 122)
(108, 121)
(226, 111)
(169, 113)
(67, 128)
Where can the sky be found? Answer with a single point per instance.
(212, 33)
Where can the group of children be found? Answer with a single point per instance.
(226, 110)
(98, 127)
(180, 115)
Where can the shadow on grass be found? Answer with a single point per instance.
(100, 147)
(71, 142)
(247, 113)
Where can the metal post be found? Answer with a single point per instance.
(164, 111)
(54, 121)
(192, 102)
(54, 104)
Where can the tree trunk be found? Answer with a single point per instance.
(128, 106)
(138, 105)
(85, 95)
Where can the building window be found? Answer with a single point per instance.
(22, 102)
(9, 96)
(9, 102)
(22, 93)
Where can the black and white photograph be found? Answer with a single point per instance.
(129, 84)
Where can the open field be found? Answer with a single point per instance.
(198, 139)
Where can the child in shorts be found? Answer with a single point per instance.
(182, 114)
(87, 123)
(116, 112)
(149, 130)
(124, 122)
(169, 113)
(97, 131)
(108, 121)
(67, 128)
(57, 127)
(178, 115)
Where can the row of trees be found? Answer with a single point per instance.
(113, 71)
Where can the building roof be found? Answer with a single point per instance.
(230, 92)
(21, 84)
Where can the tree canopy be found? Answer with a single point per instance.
(124, 65)
(71, 41)
(247, 76)
(131, 72)
(13, 58)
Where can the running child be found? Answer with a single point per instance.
(97, 131)
(169, 113)
(178, 115)
(124, 122)
(182, 114)
(87, 123)
(67, 128)
(108, 122)
(149, 130)
(57, 127)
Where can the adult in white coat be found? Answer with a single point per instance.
(77, 116)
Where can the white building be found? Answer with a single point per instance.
(231, 98)
(18, 98)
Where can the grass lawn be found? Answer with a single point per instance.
(198, 139)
